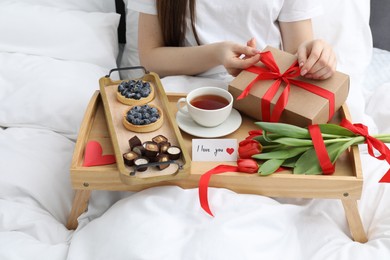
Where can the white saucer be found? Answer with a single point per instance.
(231, 124)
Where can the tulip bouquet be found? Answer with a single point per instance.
(312, 150)
(280, 145)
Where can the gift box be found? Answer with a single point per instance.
(274, 91)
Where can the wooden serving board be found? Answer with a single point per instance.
(120, 135)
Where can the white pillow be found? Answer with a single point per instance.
(59, 33)
(345, 25)
(34, 171)
(43, 92)
(106, 6)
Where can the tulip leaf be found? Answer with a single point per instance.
(281, 154)
(268, 136)
(293, 141)
(284, 129)
(270, 166)
(308, 162)
(266, 139)
(290, 162)
(333, 130)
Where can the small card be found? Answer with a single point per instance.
(214, 150)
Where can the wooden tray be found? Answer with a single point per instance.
(345, 183)
(120, 135)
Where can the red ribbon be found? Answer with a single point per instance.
(271, 72)
(205, 179)
(372, 143)
(320, 149)
(204, 184)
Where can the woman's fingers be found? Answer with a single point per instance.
(316, 59)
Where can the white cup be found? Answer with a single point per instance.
(206, 116)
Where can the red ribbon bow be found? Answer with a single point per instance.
(372, 143)
(271, 72)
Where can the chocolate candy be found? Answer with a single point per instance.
(141, 161)
(134, 141)
(157, 150)
(163, 158)
(174, 152)
(129, 158)
(151, 149)
(159, 139)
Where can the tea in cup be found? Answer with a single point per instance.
(207, 106)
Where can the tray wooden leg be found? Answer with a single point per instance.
(80, 204)
(354, 220)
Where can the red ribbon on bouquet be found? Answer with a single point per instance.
(358, 129)
(271, 72)
(319, 146)
(372, 143)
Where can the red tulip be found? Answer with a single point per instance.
(248, 147)
(254, 133)
(247, 165)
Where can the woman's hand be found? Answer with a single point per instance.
(317, 59)
(236, 57)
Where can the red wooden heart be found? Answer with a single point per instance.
(93, 155)
(229, 150)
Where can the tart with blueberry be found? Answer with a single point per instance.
(142, 119)
(135, 92)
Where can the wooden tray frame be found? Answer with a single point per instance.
(346, 184)
(114, 111)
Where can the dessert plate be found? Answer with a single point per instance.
(189, 126)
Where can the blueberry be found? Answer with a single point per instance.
(147, 121)
(153, 110)
(137, 115)
(120, 87)
(145, 92)
(124, 92)
(129, 117)
(146, 85)
(136, 121)
(146, 115)
(129, 94)
(153, 119)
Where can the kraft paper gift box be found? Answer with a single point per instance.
(314, 102)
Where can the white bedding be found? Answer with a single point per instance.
(43, 95)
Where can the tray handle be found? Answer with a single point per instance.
(128, 68)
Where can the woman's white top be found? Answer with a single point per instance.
(239, 20)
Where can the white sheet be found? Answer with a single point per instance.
(162, 222)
